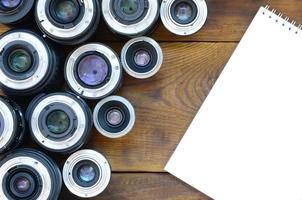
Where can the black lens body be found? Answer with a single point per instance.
(16, 14)
(60, 23)
(16, 135)
(50, 80)
(27, 179)
(55, 128)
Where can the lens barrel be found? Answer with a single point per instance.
(59, 122)
(86, 173)
(15, 11)
(142, 57)
(29, 174)
(130, 18)
(183, 17)
(93, 71)
(68, 21)
(28, 64)
(12, 125)
(114, 117)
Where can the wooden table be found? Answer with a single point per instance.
(167, 103)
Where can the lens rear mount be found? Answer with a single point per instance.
(141, 68)
(183, 17)
(57, 135)
(137, 22)
(30, 173)
(12, 125)
(113, 77)
(119, 122)
(95, 177)
(53, 19)
(40, 75)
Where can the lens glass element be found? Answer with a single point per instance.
(93, 70)
(10, 4)
(114, 117)
(142, 58)
(22, 184)
(184, 11)
(57, 122)
(19, 60)
(86, 173)
(129, 6)
(66, 11)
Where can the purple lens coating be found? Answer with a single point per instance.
(86, 173)
(10, 3)
(93, 70)
(142, 58)
(22, 184)
(184, 11)
(114, 117)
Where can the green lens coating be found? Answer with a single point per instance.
(19, 60)
(66, 11)
(57, 122)
(129, 6)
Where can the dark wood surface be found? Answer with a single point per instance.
(167, 103)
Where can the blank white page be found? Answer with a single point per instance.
(246, 141)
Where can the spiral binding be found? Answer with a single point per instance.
(286, 18)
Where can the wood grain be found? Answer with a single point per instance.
(146, 186)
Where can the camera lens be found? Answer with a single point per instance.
(28, 64)
(86, 173)
(130, 18)
(114, 117)
(15, 11)
(68, 21)
(93, 71)
(29, 174)
(59, 122)
(12, 125)
(142, 57)
(183, 17)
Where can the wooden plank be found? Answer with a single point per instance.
(227, 20)
(150, 186)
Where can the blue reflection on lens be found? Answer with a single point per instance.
(86, 173)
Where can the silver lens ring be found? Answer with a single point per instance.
(30, 162)
(131, 30)
(103, 167)
(183, 29)
(57, 145)
(66, 33)
(42, 67)
(128, 66)
(98, 110)
(8, 126)
(96, 92)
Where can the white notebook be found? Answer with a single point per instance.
(246, 141)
